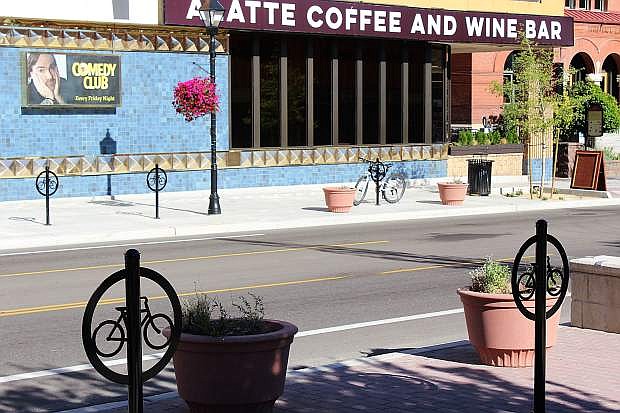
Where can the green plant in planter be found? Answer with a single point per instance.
(491, 278)
(206, 316)
(610, 155)
(465, 138)
(482, 138)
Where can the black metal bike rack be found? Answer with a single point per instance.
(156, 180)
(377, 170)
(543, 280)
(47, 185)
(131, 316)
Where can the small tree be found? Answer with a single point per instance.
(534, 100)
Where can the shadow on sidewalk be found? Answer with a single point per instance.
(422, 387)
(72, 390)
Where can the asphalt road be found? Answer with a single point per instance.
(316, 278)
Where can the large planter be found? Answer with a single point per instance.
(339, 199)
(485, 149)
(452, 194)
(234, 374)
(498, 331)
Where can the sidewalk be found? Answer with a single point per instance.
(183, 214)
(447, 379)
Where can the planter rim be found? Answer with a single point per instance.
(337, 189)
(452, 184)
(465, 291)
(287, 330)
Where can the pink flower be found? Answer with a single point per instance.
(195, 98)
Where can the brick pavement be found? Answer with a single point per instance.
(583, 375)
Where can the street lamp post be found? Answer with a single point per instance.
(211, 13)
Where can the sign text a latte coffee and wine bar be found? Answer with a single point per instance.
(362, 19)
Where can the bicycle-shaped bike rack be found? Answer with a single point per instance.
(47, 184)
(528, 285)
(392, 189)
(156, 180)
(130, 327)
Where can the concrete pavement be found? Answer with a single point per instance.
(445, 379)
(183, 214)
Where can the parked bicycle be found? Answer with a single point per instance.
(117, 335)
(392, 188)
(527, 281)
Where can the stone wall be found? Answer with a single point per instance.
(595, 287)
(510, 164)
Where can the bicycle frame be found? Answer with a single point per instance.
(123, 317)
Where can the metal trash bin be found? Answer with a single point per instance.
(479, 176)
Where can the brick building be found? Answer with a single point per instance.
(595, 54)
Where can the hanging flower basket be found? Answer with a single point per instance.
(195, 98)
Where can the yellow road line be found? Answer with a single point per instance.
(82, 304)
(206, 257)
(432, 267)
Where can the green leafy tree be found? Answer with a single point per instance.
(585, 93)
(533, 108)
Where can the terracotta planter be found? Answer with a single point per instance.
(233, 374)
(339, 199)
(452, 194)
(501, 335)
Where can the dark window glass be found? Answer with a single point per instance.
(371, 92)
(416, 94)
(393, 85)
(322, 92)
(270, 91)
(438, 86)
(569, 4)
(241, 90)
(296, 83)
(346, 92)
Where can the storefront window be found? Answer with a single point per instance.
(336, 91)
(416, 94)
(322, 92)
(270, 91)
(394, 103)
(296, 84)
(346, 92)
(438, 96)
(371, 93)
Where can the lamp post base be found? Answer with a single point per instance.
(214, 205)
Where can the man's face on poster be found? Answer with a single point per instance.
(44, 75)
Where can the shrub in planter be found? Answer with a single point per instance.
(231, 364)
(498, 331)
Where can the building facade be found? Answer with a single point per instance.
(595, 56)
(306, 88)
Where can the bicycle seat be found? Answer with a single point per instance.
(120, 308)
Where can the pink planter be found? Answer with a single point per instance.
(452, 194)
(339, 199)
(501, 335)
(233, 374)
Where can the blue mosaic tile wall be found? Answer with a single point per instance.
(145, 122)
(537, 169)
(18, 189)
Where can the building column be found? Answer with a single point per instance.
(359, 96)
(428, 94)
(310, 93)
(404, 98)
(447, 87)
(255, 92)
(283, 93)
(334, 72)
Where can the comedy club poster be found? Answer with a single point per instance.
(71, 79)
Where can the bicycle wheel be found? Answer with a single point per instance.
(361, 186)
(394, 188)
(112, 345)
(153, 336)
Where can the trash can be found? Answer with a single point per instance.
(479, 176)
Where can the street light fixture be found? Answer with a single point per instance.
(212, 13)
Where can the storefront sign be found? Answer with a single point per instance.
(71, 79)
(360, 19)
